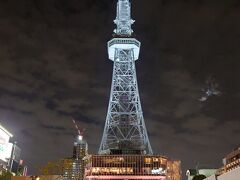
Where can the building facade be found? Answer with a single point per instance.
(10, 154)
(230, 175)
(15, 163)
(74, 168)
(5, 149)
(132, 167)
(230, 169)
(231, 161)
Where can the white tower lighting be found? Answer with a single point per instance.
(125, 127)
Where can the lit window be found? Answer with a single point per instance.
(148, 160)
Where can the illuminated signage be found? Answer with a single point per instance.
(5, 147)
(158, 171)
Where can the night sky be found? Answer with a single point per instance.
(54, 67)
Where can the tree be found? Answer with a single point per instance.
(199, 177)
(6, 175)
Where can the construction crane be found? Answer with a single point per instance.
(80, 133)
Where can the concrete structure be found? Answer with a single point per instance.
(231, 161)
(230, 175)
(207, 172)
(230, 169)
(213, 177)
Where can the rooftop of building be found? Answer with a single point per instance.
(235, 152)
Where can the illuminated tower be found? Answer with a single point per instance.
(125, 130)
(125, 152)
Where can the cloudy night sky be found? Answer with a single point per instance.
(54, 67)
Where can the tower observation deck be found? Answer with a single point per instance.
(125, 131)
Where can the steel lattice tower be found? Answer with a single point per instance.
(125, 127)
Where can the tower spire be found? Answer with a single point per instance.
(123, 19)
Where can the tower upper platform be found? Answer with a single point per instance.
(123, 32)
(123, 44)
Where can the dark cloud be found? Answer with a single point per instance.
(54, 67)
(57, 128)
(15, 110)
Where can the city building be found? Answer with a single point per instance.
(5, 148)
(231, 161)
(74, 168)
(133, 166)
(125, 151)
(10, 154)
(230, 169)
(234, 174)
(22, 169)
(69, 168)
(15, 162)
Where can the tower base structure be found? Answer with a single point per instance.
(131, 167)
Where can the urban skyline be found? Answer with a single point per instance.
(170, 83)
